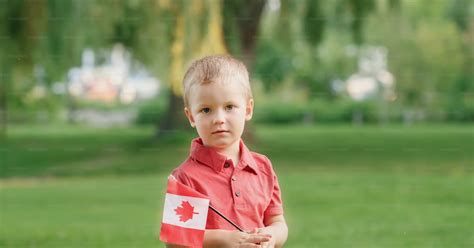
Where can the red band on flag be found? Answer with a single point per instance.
(172, 234)
(177, 188)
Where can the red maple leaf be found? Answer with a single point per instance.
(185, 211)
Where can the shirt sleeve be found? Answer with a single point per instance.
(181, 176)
(276, 205)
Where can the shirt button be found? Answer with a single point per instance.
(226, 165)
(234, 178)
(237, 193)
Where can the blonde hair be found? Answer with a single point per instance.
(215, 68)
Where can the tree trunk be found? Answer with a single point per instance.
(3, 111)
(247, 16)
(3, 104)
(175, 119)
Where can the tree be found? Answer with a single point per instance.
(297, 51)
(419, 38)
(197, 30)
(207, 27)
(241, 27)
(20, 30)
(50, 34)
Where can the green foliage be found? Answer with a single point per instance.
(271, 65)
(324, 111)
(278, 112)
(241, 21)
(307, 43)
(314, 22)
(460, 105)
(419, 36)
(152, 111)
(31, 109)
(459, 12)
(359, 10)
(318, 111)
(425, 80)
(327, 112)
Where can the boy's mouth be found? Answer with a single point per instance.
(220, 131)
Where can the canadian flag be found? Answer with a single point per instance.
(184, 215)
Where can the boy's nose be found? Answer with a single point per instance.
(219, 117)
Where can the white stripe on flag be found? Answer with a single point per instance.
(198, 220)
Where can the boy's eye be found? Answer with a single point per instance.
(206, 110)
(229, 107)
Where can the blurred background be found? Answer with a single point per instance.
(365, 107)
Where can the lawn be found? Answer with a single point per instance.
(343, 186)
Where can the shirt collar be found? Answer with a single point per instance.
(211, 158)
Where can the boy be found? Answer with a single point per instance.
(240, 184)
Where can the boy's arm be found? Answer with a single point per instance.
(276, 226)
(213, 238)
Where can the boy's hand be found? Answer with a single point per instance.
(244, 240)
(267, 231)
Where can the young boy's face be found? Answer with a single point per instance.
(219, 111)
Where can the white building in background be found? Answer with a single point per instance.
(373, 78)
(117, 80)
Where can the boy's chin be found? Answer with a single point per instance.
(222, 144)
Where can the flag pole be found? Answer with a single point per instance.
(225, 218)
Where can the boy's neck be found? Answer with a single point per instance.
(232, 152)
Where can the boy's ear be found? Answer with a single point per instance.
(249, 110)
(190, 117)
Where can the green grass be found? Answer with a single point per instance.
(78, 151)
(93, 212)
(343, 186)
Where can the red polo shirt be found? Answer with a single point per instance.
(246, 194)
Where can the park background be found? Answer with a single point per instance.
(365, 108)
